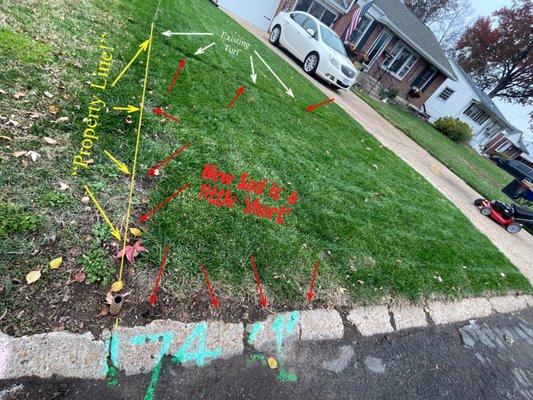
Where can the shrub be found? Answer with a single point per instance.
(454, 128)
(97, 267)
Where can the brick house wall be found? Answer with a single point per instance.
(499, 139)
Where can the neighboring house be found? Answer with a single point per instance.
(527, 158)
(397, 51)
(463, 99)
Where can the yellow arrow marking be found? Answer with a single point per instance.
(114, 231)
(137, 145)
(129, 109)
(121, 166)
(142, 47)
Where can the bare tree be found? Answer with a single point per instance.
(430, 11)
(452, 25)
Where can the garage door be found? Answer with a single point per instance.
(258, 12)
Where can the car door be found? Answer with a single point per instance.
(304, 42)
(290, 36)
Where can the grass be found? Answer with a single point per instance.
(479, 173)
(377, 227)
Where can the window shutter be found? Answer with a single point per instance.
(366, 35)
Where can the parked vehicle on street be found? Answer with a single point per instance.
(516, 168)
(318, 47)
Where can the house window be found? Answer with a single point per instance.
(400, 61)
(503, 147)
(476, 114)
(446, 93)
(378, 46)
(423, 80)
(360, 30)
(316, 9)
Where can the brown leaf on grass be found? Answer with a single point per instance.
(6, 138)
(128, 120)
(53, 109)
(85, 199)
(50, 140)
(19, 153)
(63, 186)
(24, 163)
(18, 95)
(48, 94)
(33, 155)
(80, 277)
(33, 276)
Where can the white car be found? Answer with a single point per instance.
(318, 47)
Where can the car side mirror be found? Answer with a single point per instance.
(310, 32)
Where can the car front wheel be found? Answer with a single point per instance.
(275, 35)
(311, 63)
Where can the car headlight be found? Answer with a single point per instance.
(333, 61)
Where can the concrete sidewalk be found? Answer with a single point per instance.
(517, 248)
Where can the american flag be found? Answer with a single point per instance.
(359, 13)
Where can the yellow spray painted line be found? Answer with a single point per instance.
(137, 145)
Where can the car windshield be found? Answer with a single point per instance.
(332, 40)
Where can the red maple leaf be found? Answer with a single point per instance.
(131, 251)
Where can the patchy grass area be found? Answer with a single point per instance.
(481, 174)
(378, 228)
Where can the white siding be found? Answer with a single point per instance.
(456, 104)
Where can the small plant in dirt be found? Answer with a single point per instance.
(97, 267)
(454, 128)
(15, 220)
(100, 233)
(53, 199)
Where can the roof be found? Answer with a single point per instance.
(487, 102)
(407, 25)
(517, 139)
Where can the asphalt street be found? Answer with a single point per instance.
(486, 359)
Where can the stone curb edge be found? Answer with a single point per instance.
(138, 349)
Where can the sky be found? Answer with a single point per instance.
(515, 114)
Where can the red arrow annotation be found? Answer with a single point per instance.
(239, 92)
(152, 170)
(159, 111)
(214, 300)
(175, 77)
(310, 293)
(312, 107)
(144, 217)
(262, 298)
(153, 296)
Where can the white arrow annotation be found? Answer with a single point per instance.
(287, 90)
(170, 33)
(202, 50)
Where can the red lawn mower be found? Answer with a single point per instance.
(512, 217)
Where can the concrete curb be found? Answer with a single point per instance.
(139, 349)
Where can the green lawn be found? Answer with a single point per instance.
(377, 227)
(482, 175)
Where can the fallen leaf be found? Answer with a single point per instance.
(18, 95)
(85, 199)
(502, 274)
(136, 232)
(128, 120)
(62, 120)
(56, 262)
(109, 298)
(80, 277)
(6, 138)
(89, 161)
(53, 109)
(272, 363)
(24, 163)
(63, 186)
(426, 309)
(33, 276)
(439, 278)
(48, 94)
(49, 140)
(33, 155)
(19, 153)
(104, 311)
(131, 251)
(117, 286)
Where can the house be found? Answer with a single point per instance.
(397, 51)
(464, 100)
